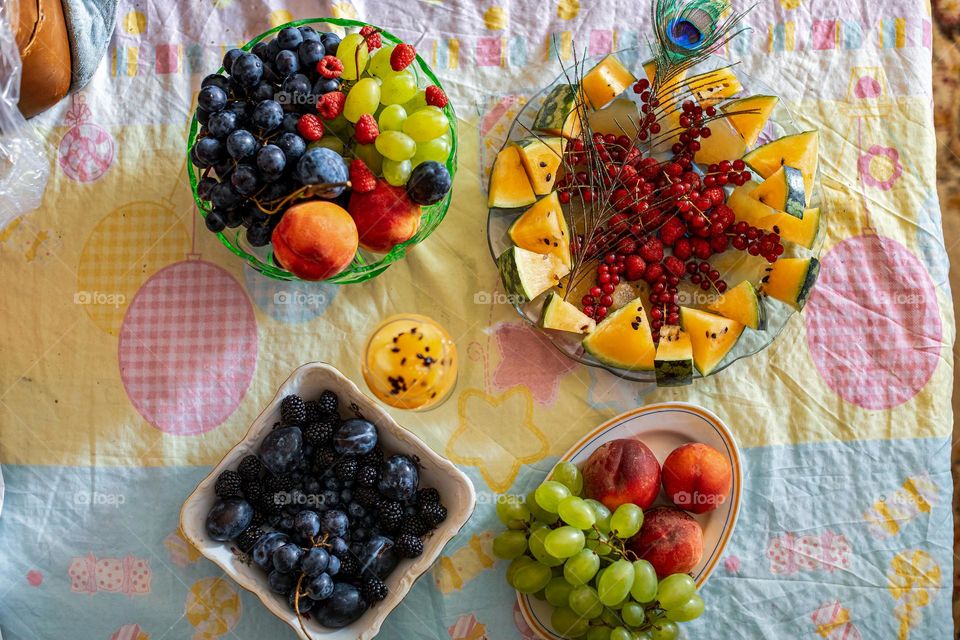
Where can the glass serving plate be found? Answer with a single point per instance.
(366, 264)
(732, 264)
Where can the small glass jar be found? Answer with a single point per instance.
(410, 362)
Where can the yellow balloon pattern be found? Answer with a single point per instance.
(911, 577)
(212, 608)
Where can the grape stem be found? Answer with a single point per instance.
(315, 542)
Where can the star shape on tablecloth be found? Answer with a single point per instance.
(497, 435)
(528, 358)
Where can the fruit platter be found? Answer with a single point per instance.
(660, 221)
(327, 510)
(625, 529)
(316, 157)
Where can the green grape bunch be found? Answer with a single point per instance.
(571, 551)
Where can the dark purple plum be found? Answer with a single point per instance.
(228, 517)
(355, 437)
(378, 557)
(400, 478)
(344, 606)
(281, 450)
(262, 552)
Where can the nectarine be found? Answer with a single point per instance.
(622, 471)
(315, 240)
(696, 477)
(385, 217)
(670, 539)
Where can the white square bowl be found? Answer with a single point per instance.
(455, 489)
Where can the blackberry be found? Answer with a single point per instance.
(325, 458)
(249, 537)
(272, 503)
(372, 459)
(366, 496)
(314, 413)
(249, 468)
(368, 476)
(409, 545)
(228, 484)
(320, 432)
(374, 589)
(293, 411)
(349, 566)
(329, 402)
(346, 468)
(433, 514)
(273, 484)
(414, 525)
(390, 514)
(428, 496)
(259, 517)
(253, 491)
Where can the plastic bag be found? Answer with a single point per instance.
(24, 168)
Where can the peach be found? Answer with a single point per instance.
(696, 477)
(315, 240)
(670, 539)
(622, 471)
(385, 217)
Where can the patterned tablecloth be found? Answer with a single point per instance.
(845, 421)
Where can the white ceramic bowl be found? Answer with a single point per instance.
(455, 489)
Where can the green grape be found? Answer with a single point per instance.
(550, 494)
(585, 602)
(537, 547)
(598, 546)
(568, 624)
(427, 124)
(339, 125)
(690, 610)
(532, 577)
(602, 515)
(633, 614)
(354, 54)
(363, 98)
(396, 146)
(380, 62)
(610, 618)
(576, 512)
(641, 635)
(512, 511)
(664, 630)
(581, 568)
(399, 88)
(568, 474)
(614, 585)
(515, 565)
(599, 633)
(391, 118)
(418, 101)
(558, 591)
(436, 150)
(626, 520)
(510, 544)
(564, 542)
(538, 512)
(333, 143)
(397, 173)
(674, 590)
(621, 633)
(370, 156)
(644, 587)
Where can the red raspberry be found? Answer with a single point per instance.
(672, 231)
(330, 105)
(674, 265)
(635, 266)
(682, 249)
(715, 194)
(402, 56)
(310, 127)
(361, 178)
(436, 97)
(366, 130)
(330, 67)
(653, 273)
(371, 35)
(651, 250)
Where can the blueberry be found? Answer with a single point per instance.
(289, 123)
(292, 146)
(346, 495)
(287, 557)
(310, 53)
(263, 91)
(322, 166)
(281, 583)
(335, 523)
(309, 34)
(333, 483)
(428, 183)
(330, 43)
(245, 180)
(378, 557)
(228, 517)
(229, 58)
(271, 160)
(268, 115)
(215, 221)
(320, 587)
(224, 196)
(338, 547)
(247, 70)
(280, 450)
(286, 522)
(400, 478)
(344, 606)
(262, 552)
(241, 144)
(204, 187)
(286, 63)
(303, 604)
(355, 437)
(208, 151)
(223, 123)
(212, 99)
(333, 565)
(330, 498)
(315, 561)
(306, 524)
(360, 534)
(356, 511)
(216, 80)
(289, 38)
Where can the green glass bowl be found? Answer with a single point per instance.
(366, 264)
